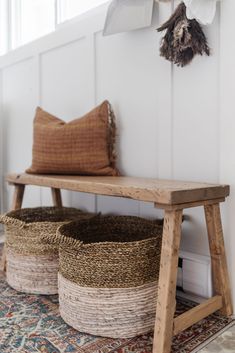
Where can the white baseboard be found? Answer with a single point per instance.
(190, 296)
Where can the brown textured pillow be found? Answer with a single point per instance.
(83, 146)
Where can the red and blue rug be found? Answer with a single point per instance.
(32, 323)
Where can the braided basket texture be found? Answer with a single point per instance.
(108, 278)
(32, 261)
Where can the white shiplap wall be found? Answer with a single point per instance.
(172, 122)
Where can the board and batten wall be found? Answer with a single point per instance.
(172, 123)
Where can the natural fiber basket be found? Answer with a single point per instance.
(108, 274)
(32, 262)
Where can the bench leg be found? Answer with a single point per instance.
(18, 197)
(16, 204)
(56, 197)
(167, 282)
(218, 257)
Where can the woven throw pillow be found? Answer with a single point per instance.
(83, 146)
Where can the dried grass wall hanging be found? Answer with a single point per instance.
(108, 276)
(32, 262)
(184, 38)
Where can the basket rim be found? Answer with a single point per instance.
(105, 243)
(7, 218)
(63, 239)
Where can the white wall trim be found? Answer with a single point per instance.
(1, 149)
(73, 31)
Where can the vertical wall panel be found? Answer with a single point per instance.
(227, 127)
(164, 86)
(195, 126)
(195, 115)
(129, 72)
(126, 74)
(19, 101)
(66, 85)
(163, 96)
(67, 90)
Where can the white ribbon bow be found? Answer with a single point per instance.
(201, 10)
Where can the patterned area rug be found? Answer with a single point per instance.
(31, 323)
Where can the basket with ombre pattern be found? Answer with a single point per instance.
(32, 262)
(108, 276)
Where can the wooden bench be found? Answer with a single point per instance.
(173, 197)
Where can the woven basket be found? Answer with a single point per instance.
(32, 261)
(108, 276)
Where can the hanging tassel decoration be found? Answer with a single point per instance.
(184, 38)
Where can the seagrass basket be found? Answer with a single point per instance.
(108, 275)
(32, 262)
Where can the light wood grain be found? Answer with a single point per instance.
(173, 197)
(189, 204)
(218, 257)
(16, 203)
(196, 314)
(18, 197)
(56, 197)
(144, 189)
(167, 282)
